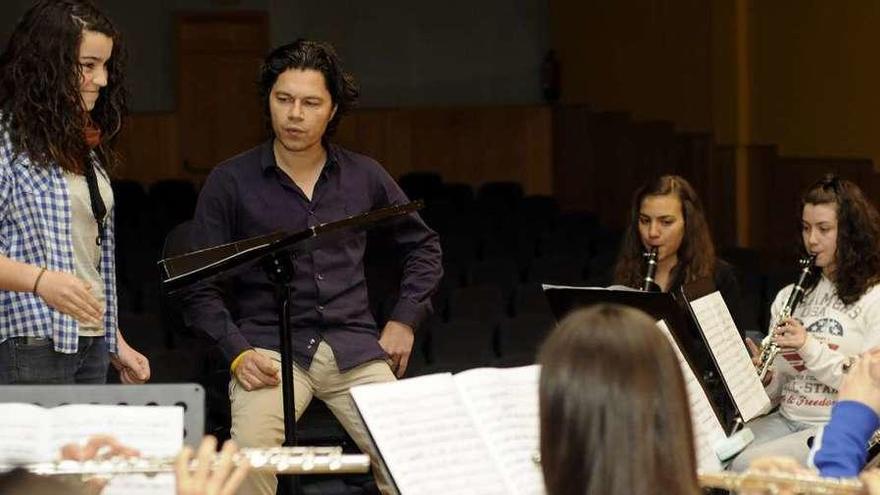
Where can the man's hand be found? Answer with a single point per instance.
(755, 352)
(397, 341)
(256, 371)
(862, 383)
(70, 295)
(133, 367)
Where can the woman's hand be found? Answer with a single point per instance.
(791, 334)
(96, 447)
(223, 479)
(862, 382)
(70, 295)
(133, 367)
(871, 479)
(755, 351)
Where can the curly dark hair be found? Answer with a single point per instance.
(40, 79)
(316, 55)
(696, 255)
(858, 236)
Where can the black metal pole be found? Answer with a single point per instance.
(279, 268)
(283, 293)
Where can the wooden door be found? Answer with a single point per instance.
(219, 109)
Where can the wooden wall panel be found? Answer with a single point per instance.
(471, 145)
(576, 166)
(588, 161)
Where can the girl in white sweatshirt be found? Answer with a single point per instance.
(839, 317)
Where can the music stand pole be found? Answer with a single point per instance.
(279, 269)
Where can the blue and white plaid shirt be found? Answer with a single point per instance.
(35, 228)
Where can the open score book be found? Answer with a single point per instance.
(473, 432)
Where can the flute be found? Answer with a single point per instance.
(277, 460)
(773, 482)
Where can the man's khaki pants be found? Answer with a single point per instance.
(258, 415)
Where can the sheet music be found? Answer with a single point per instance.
(428, 441)
(155, 431)
(731, 355)
(24, 434)
(504, 405)
(707, 428)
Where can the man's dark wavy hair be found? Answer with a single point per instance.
(858, 236)
(40, 79)
(316, 55)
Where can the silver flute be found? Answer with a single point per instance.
(769, 348)
(278, 460)
(775, 482)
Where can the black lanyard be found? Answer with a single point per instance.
(99, 210)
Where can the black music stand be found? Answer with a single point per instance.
(684, 295)
(681, 322)
(274, 253)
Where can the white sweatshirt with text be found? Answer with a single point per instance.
(805, 381)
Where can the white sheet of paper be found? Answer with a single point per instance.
(24, 434)
(427, 439)
(707, 428)
(731, 355)
(156, 431)
(504, 404)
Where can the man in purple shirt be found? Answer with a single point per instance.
(297, 180)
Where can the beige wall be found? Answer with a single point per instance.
(811, 68)
(651, 57)
(815, 76)
(472, 145)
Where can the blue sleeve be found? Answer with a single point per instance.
(844, 448)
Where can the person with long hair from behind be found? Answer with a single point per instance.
(62, 102)
(667, 214)
(613, 410)
(838, 318)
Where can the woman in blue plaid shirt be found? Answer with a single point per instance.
(61, 107)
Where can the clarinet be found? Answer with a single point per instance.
(770, 349)
(648, 284)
